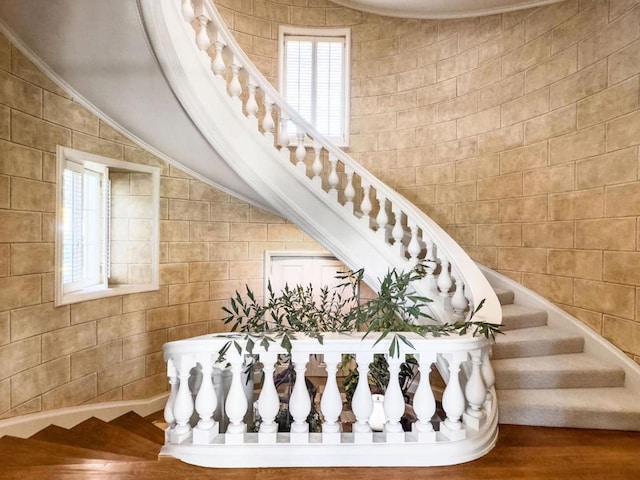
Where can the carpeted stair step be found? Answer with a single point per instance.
(535, 342)
(505, 296)
(98, 435)
(141, 427)
(575, 370)
(601, 408)
(517, 316)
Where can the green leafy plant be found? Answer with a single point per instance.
(396, 310)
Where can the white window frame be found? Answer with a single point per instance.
(80, 291)
(318, 34)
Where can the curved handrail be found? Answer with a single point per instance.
(420, 240)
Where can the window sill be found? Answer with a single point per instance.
(94, 293)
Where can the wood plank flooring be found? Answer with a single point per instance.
(526, 453)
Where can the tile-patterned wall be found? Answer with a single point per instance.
(109, 349)
(518, 133)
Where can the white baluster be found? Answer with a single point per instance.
(444, 278)
(349, 191)
(301, 153)
(459, 301)
(206, 404)
(334, 180)
(362, 403)
(475, 391)
(382, 218)
(414, 247)
(300, 402)
(169, 419)
(365, 206)
(267, 122)
(268, 401)
(488, 375)
(202, 38)
(187, 11)
(252, 103)
(331, 402)
(316, 167)
(453, 401)
(218, 65)
(430, 264)
(424, 403)
(236, 404)
(183, 406)
(394, 402)
(283, 137)
(235, 87)
(397, 232)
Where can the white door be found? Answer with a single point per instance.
(303, 268)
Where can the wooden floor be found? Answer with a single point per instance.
(525, 453)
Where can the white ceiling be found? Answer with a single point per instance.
(440, 8)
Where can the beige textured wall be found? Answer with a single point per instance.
(106, 349)
(518, 132)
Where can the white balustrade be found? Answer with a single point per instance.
(316, 167)
(397, 233)
(235, 87)
(469, 413)
(382, 218)
(267, 122)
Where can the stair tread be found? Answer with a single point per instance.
(535, 342)
(594, 400)
(515, 317)
(534, 334)
(573, 370)
(505, 295)
(98, 435)
(138, 425)
(60, 453)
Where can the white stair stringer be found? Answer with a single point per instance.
(217, 105)
(552, 370)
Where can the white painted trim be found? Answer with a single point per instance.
(62, 155)
(26, 425)
(426, 14)
(322, 32)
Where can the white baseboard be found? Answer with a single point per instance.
(26, 425)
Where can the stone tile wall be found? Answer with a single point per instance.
(107, 349)
(518, 133)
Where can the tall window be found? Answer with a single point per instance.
(107, 217)
(314, 78)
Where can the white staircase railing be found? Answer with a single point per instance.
(467, 431)
(210, 59)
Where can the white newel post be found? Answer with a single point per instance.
(424, 403)
(362, 403)
(183, 406)
(268, 401)
(236, 404)
(172, 373)
(476, 392)
(300, 402)
(206, 404)
(331, 402)
(453, 401)
(394, 401)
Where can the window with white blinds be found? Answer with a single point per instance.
(94, 238)
(314, 79)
